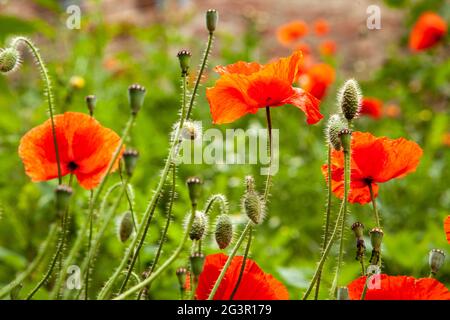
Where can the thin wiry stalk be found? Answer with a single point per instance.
(241, 272)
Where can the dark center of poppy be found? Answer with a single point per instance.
(72, 166)
(368, 181)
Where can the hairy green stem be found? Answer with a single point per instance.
(244, 260)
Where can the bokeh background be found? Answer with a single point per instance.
(123, 42)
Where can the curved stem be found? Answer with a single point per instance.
(47, 91)
(327, 218)
(230, 258)
(44, 249)
(244, 260)
(166, 264)
(374, 205)
(213, 200)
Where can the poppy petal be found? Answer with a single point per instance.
(447, 228)
(307, 103)
(240, 67)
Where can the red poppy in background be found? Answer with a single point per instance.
(399, 288)
(392, 110)
(427, 31)
(291, 32)
(246, 87)
(321, 27)
(85, 149)
(372, 107)
(304, 48)
(447, 228)
(317, 79)
(374, 160)
(255, 284)
(328, 48)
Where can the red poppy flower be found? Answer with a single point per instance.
(399, 288)
(304, 48)
(328, 48)
(447, 228)
(372, 107)
(428, 30)
(85, 149)
(317, 79)
(245, 87)
(321, 27)
(255, 284)
(292, 31)
(374, 160)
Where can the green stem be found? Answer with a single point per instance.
(166, 264)
(247, 228)
(244, 259)
(91, 216)
(374, 204)
(327, 219)
(269, 149)
(44, 249)
(47, 91)
(200, 74)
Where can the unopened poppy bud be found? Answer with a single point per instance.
(91, 101)
(9, 60)
(358, 229)
(195, 187)
(184, 56)
(130, 157)
(198, 226)
(126, 226)
(436, 260)
(77, 82)
(212, 16)
(252, 203)
(345, 136)
(342, 293)
(335, 125)
(224, 231)
(197, 261)
(182, 275)
(136, 95)
(63, 194)
(350, 99)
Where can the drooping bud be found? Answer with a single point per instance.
(77, 82)
(436, 260)
(191, 130)
(224, 231)
(126, 226)
(9, 60)
(350, 99)
(130, 157)
(376, 237)
(198, 226)
(197, 261)
(212, 16)
(63, 194)
(91, 101)
(136, 95)
(335, 125)
(182, 275)
(195, 187)
(342, 293)
(184, 56)
(345, 136)
(252, 202)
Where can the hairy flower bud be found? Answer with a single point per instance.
(335, 125)
(197, 261)
(184, 56)
(252, 202)
(212, 16)
(130, 157)
(9, 60)
(63, 194)
(191, 130)
(126, 226)
(350, 99)
(91, 101)
(136, 95)
(224, 231)
(199, 224)
(195, 187)
(436, 260)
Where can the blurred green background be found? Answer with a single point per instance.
(111, 51)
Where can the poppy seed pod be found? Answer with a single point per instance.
(335, 125)
(345, 136)
(212, 16)
(358, 229)
(224, 231)
(197, 261)
(91, 101)
(376, 237)
(181, 275)
(342, 293)
(252, 202)
(126, 226)
(350, 99)
(9, 60)
(136, 95)
(184, 56)
(130, 157)
(194, 185)
(63, 194)
(198, 226)
(436, 260)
